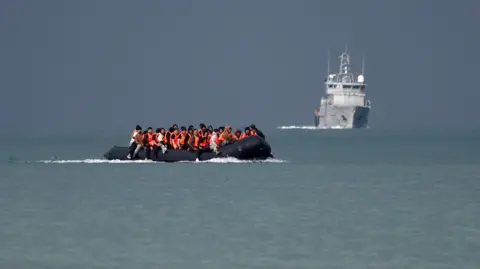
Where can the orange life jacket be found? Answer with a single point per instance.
(204, 142)
(133, 134)
(219, 139)
(182, 139)
(191, 139)
(151, 139)
(195, 142)
(244, 135)
(209, 137)
(253, 132)
(187, 138)
(174, 140)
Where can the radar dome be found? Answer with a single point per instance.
(361, 79)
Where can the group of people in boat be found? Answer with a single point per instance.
(191, 139)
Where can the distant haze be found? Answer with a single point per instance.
(101, 67)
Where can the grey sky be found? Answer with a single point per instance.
(103, 66)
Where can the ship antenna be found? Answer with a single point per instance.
(328, 62)
(346, 47)
(363, 64)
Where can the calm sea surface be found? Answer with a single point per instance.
(331, 199)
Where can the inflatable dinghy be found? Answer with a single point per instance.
(248, 148)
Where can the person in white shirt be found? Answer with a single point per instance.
(159, 141)
(213, 138)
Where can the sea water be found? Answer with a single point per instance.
(330, 199)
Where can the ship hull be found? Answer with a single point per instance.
(330, 117)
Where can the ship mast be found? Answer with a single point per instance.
(328, 62)
(344, 63)
(363, 65)
(344, 74)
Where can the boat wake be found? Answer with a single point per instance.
(307, 127)
(103, 161)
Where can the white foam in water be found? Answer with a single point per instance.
(235, 160)
(99, 161)
(94, 161)
(297, 127)
(307, 127)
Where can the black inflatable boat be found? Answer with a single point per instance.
(249, 148)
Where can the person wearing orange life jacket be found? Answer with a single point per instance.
(246, 133)
(183, 137)
(219, 139)
(134, 133)
(188, 134)
(175, 139)
(168, 135)
(189, 139)
(204, 133)
(164, 137)
(194, 143)
(136, 146)
(204, 138)
(172, 129)
(226, 136)
(148, 143)
(237, 135)
(201, 136)
(209, 134)
(208, 137)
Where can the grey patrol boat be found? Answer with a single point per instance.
(344, 105)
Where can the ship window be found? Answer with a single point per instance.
(330, 85)
(355, 87)
(346, 86)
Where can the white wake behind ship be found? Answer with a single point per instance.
(307, 127)
(344, 105)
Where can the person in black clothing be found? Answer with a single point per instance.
(259, 133)
(186, 135)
